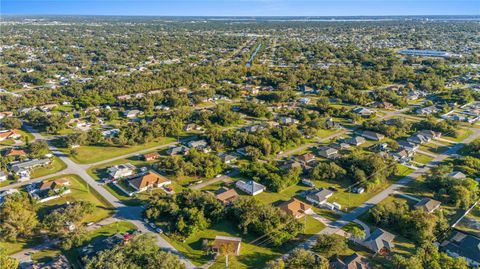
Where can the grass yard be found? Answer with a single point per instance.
(93, 154)
(421, 158)
(45, 255)
(6, 182)
(14, 247)
(251, 255)
(55, 166)
(96, 236)
(462, 134)
(80, 191)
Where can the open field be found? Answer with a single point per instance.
(92, 154)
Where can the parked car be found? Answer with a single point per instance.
(158, 230)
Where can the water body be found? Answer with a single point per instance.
(252, 57)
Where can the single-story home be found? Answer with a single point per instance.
(177, 150)
(306, 158)
(372, 135)
(380, 241)
(9, 134)
(320, 196)
(250, 187)
(226, 196)
(328, 152)
(354, 261)
(355, 141)
(296, 208)
(148, 180)
(121, 170)
(222, 243)
(151, 156)
(428, 205)
(466, 246)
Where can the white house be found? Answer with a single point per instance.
(251, 187)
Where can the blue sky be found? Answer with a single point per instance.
(242, 7)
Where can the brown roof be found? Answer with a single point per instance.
(150, 178)
(226, 195)
(295, 207)
(306, 157)
(9, 133)
(16, 152)
(151, 156)
(47, 185)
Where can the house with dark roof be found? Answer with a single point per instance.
(354, 261)
(428, 205)
(177, 150)
(457, 175)
(380, 241)
(466, 246)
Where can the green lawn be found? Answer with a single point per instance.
(97, 235)
(6, 182)
(251, 255)
(81, 191)
(14, 247)
(462, 134)
(422, 158)
(92, 154)
(45, 255)
(55, 166)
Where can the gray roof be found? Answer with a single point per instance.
(320, 195)
(428, 204)
(380, 239)
(28, 164)
(465, 245)
(250, 186)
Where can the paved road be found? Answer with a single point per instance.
(335, 226)
(129, 213)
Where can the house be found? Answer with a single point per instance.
(380, 241)
(354, 261)
(48, 107)
(457, 175)
(121, 170)
(226, 196)
(332, 124)
(304, 100)
(287, 120)
(319, 196)
(192, 127)
(296, 208)
(418, 139)
(151, 156)
(340, 146)
(4, 194)
(328, 152)
(18, 167)
(228, 158)
(290, 165)
(177, 150)
(363, 111)
(148, 180)
(132, 114)
(48, 190)
(427, 110)
(198, 144)
(428, 205)
(409, 146)
(110, 133)
(226, 243)
(372, 135)
(9, 134)
(430, 134)
(250, 187)
(384, 104)
(3, 176)
(466, 246)
(307, 89)
(306, 158)
(12, 152)
(402, 155)
(355, 141)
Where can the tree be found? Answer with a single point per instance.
(38, 149)
(141, 252)
(18, 217)
(329, 245)
(12, 123)
(7, 262)
(305, 259)
(358, 233)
